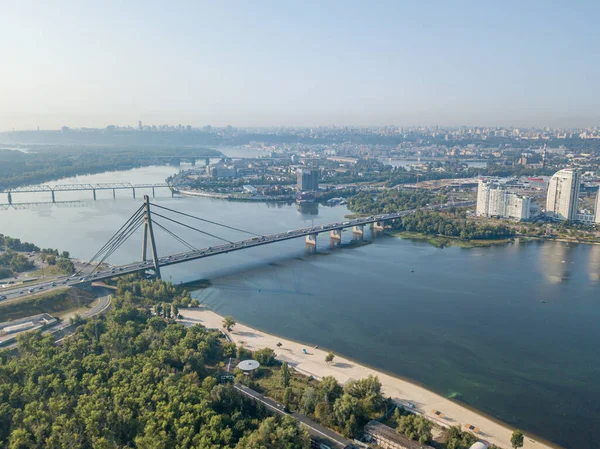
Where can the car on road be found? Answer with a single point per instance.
(2, 298)
(53, 284)
(21, 292)
(31, 290)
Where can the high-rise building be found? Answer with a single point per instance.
(597, 209)
(563, 195)
(308, 180)
(495, 201)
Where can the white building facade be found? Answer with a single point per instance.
(563, 195)
(495, 201)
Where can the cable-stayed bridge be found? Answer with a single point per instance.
(150, 217)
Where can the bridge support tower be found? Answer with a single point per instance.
(133, 188)
(9, 198)
(114, 195)
(53, 198)
(148, 232)
(94, 193)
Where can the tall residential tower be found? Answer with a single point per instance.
(563, 194)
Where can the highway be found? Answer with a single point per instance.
(67, 281)
(65, 328)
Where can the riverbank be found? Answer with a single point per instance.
(312, 363)
(443, 241)
(238, 197)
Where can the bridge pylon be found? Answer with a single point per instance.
(148, 232)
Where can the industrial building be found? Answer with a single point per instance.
(493, 200)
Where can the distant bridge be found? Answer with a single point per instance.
(80, 187)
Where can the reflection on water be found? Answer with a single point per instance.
(594, 263)
(556, 261)
(308, 208)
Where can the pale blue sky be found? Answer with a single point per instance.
(252, 63)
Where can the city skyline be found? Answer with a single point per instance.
(309, 64)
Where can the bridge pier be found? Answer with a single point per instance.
(358, 232)
(9, 198)
(311, 243)
(153, 196)
(53, 199)
(114, 195)
(133, 188)
(335, 237)
(378, 226)
(94, 193)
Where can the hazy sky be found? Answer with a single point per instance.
(284, 62)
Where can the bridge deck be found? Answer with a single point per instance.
(259, 241)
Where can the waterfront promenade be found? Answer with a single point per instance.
(401, 391)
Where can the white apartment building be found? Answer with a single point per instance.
(494, 201)
(563, 195)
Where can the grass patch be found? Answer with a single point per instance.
(443, 241)
(50, 270)
(54, 302)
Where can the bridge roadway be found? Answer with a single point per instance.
(225, 248)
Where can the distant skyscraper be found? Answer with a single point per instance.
(140, 126)
(308, 180)
(563, 194)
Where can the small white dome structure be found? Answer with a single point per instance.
(248, 365)
(478, 445)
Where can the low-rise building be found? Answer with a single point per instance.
(387, 438)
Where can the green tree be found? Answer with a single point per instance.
(329, 357)
(414, 427)
(228, 323)
(277, 434)
(308, 401)
(265, 356)
(287, 397)
(65, 265)
(285, 375)
(516, 439)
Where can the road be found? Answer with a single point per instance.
(61, 282)
(64, 329)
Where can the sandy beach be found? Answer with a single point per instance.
(402, 391)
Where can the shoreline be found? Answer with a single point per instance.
(401, 390)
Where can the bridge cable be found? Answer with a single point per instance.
(191, 227)
(175, 236)
(131, 230)
(207, 221)
(108, 243)
(134, 218)
(117, 239)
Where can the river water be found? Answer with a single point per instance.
(511, 330)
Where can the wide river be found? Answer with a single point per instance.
(511, 330)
